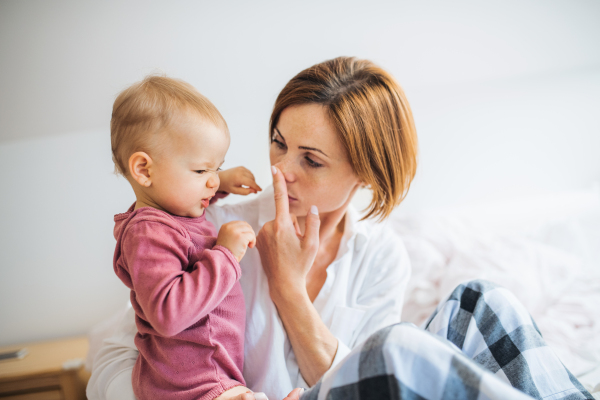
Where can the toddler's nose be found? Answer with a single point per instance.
(213, 181)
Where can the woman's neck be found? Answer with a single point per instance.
(332, 223)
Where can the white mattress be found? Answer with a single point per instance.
(546, 250)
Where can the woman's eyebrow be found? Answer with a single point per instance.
(313, 149)
(303, 147)
(277, 130)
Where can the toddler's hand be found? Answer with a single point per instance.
(236, 236)
(238, 180)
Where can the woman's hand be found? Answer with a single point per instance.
(238, 180)
(286, 255)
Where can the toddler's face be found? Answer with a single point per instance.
(184, 177)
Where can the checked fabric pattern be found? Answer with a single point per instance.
(479, 344)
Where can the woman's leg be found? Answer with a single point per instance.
(405, 362)
(491, 327)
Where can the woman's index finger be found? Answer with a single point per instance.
(282, 207)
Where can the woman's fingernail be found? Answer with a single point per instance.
(301, 391)
(314, 210)
(273, 170)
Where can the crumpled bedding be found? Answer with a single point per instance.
(554, 271)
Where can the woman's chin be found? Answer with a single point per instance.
(297, 209)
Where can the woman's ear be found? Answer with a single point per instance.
(139, 168)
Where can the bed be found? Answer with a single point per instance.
(545, 249)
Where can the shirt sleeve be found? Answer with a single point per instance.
(113, 363)
(219, 195)
(385, 274)
(341, 352)
(381, 286)
(172, 296)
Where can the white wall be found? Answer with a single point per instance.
(505, 96)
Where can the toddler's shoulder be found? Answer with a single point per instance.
(150, 222)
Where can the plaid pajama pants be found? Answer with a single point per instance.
(480, 343)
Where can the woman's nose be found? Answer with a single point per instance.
(287, 171)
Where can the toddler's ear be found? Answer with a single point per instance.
(139, 168)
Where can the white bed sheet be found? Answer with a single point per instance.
(550, 259)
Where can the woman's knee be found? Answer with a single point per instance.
(481, 284)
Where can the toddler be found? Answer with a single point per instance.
(169, 141)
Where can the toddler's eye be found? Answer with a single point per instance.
(200, 171)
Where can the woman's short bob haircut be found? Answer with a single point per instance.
(373, 121)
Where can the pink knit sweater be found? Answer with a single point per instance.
(188, 301)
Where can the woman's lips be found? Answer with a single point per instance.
(291, 199)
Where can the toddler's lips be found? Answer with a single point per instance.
(206, 202)
(291, 199)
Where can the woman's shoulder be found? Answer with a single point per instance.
(380, 247)
(376, 234)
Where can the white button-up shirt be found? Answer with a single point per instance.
(363, 293)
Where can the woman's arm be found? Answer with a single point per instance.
(286, 258)
(314, 345)
(382, 273)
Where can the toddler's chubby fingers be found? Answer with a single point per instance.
(238, 180)
(242, 190)
(247, 179)
(253, 396)
(250, 181)
(252, 240)
(248, 233)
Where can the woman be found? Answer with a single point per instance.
(323, 284)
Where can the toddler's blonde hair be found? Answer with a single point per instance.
(147, 108)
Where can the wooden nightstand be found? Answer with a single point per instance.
(51, 371)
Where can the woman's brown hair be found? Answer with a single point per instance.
(373, 120)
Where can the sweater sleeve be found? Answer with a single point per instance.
(172, 296)
(219, 195)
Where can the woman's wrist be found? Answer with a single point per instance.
(283, 293)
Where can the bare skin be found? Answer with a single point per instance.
(311, 169)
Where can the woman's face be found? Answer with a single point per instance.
(306, 148)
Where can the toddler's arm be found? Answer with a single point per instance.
(171, 298)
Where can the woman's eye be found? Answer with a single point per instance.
(312, 163)
(279, 144)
